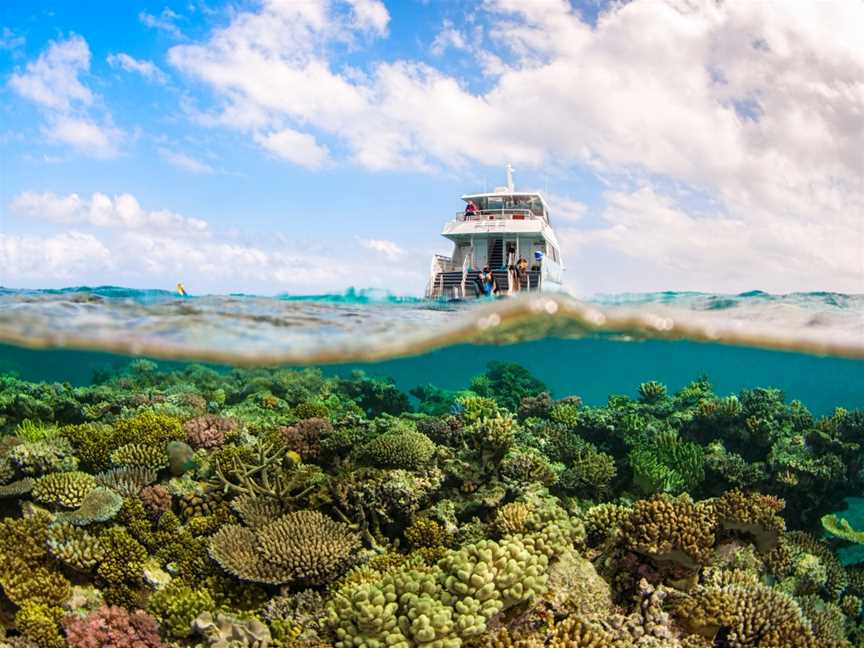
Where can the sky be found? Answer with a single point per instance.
(304, 146)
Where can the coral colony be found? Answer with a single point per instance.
(283, 508)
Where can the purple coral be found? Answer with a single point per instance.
(208, 431)
(113, 626)
(304, 437)
(156, 499)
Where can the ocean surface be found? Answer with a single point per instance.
(410, 435)
(811, 345)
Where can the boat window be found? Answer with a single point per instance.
(494, 202)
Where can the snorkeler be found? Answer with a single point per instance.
(487, 282)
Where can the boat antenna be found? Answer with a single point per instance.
(510, 186)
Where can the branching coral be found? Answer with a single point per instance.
(666, 464)
(671, 529)
(115, 627)
(752, 514)
(67, 489)
(305, 547)
(209, 430)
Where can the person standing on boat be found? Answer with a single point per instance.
(470, 209)
(522, 273)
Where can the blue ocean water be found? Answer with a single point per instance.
(810, 345)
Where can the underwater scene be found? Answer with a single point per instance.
(676, 470)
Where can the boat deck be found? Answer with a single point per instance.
(449, 284)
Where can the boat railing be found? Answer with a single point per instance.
(516, 213)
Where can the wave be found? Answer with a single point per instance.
(370, 325)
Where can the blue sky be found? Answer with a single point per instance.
(282, 146)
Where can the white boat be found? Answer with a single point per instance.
(501, 228)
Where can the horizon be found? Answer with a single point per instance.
(281, 148)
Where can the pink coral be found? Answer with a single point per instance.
(208, 431)
(304, 437)
(156, 499)
(115, 627)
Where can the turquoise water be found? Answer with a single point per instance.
(590, 368)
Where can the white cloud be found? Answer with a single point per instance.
(757, 109)
(147, 69)
(183, 161)
(52, 82)
(91, 139)
(296, 147)
(165, 21)
(122, 211)
(370, 15)
(448, 37)
(388, 248)
(67, 256)
(565, 209)
(52, 79)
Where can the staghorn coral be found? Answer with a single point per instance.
(40, 623)
(304, 546)
(652, 392)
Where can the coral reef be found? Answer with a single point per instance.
(287, 508)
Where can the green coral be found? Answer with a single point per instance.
(123, 556)
(304, 546)
(140, 455)
(66, 489)
(149, 429)
(99, 505)
(666, 464)
(177, 606)
(40, 623)
(841, 528)
(74, 546)
(404, 449)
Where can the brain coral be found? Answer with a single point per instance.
(304, 546)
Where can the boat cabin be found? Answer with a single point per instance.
(495, 230)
